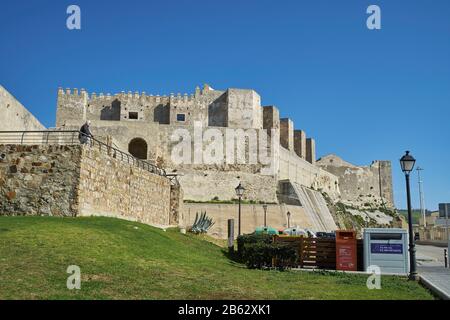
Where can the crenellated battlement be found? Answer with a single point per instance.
(181, 98)
(142, 96)
(72, 92)
(198, 94)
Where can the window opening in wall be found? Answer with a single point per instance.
(133, 115)
(181, 117)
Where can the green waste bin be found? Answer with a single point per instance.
(266, 230)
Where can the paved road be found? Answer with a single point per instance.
(430, 262)
(430, 256)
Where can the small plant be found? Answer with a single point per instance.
(202, 223)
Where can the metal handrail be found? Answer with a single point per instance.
(67, 137)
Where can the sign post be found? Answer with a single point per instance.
(346, 251)
(231, 236)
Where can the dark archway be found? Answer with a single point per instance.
(138, 148)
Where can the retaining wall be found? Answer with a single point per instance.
(252, 216)
(78, 180)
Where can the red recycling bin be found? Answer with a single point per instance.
(346, 251)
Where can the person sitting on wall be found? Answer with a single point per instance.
(85, 133)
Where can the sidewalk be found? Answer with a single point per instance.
(437, 279)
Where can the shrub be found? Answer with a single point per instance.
(250, 239)
(257, 255)
(258, 251)
(260, 255)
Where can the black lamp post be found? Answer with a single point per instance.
(407, 164)
(239, 192)
(265, 214)
(289, 219)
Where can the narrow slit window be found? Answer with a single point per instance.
(181, 117)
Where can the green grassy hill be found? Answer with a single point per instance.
(127, 260)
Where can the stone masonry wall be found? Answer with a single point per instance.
(14, 115)
(109, 187)
(360, 185)
(176, 204)
(306, 174)
(252, 216)
(220, 185)
(220, 110)
(39, 180)
(70, 181)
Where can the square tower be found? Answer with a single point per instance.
(287, 133)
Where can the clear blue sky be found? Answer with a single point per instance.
(362, 94)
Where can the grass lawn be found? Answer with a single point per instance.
(127, 260)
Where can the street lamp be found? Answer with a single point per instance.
(265, 214)
(239, 192)
(407, 164)
(289, 219)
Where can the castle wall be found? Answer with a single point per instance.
(206, 104)
(218, 112)
(75, 180)
(204, 138)
(244, 109)
(123, 132)
(203, 181)
(76, 107)
(71, 106)
(109, 187)
(287, 133)
(252, 216)
(300, 143)
(39, 180)
(207, 185)
(15, 117)
(304, 173)
(311, 150)
(159, 117)
(362, 184)
(271, 119)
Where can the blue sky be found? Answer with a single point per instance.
(361, 94)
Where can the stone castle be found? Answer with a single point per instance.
(144, 125)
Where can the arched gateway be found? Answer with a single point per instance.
(138, 148)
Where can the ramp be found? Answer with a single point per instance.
(314, 204)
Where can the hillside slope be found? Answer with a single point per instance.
(127, 260)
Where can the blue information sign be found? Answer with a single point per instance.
(386, 248)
